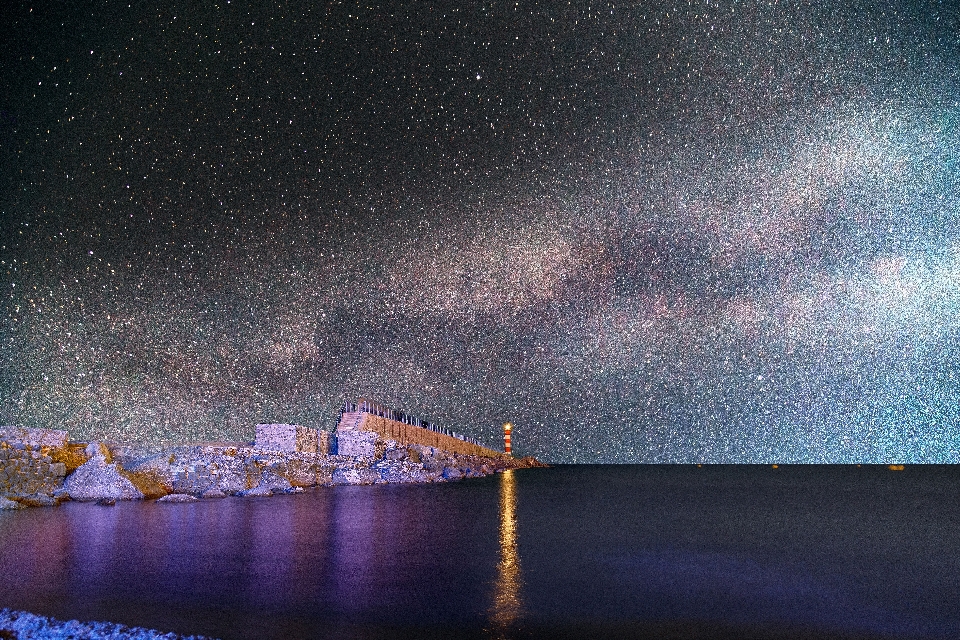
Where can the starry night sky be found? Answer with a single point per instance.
(670, 232)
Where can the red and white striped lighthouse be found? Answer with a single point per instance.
(507, 428)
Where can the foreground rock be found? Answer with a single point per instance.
(97, 479)
(27, 626)
(10, 505)
(178, 497)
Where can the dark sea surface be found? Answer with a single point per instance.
(571, 551)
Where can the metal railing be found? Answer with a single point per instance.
(373, 408)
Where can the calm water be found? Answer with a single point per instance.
(615, 551)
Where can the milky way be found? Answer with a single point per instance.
(679, 232)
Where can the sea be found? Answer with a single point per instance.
(572, 551)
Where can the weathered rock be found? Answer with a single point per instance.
(10, 505)
(97, 479)
(452, 473)
(231, 481)
(304, 473)
(529, 462)
(231, 468)
(98, 449)
(37, 500)
(178, 497)
(356, 475)
(152, 484)
(106, 502)
(272, 480)
(156, 467)
(270, 483)
(71, 456)
(401, 471)
(396, 452)
(256, 492)
(213, 493)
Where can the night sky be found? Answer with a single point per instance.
(670, 232)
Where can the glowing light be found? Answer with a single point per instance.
(507, 603)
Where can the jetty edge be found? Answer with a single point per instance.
(42, 467)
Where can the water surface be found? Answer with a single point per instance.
(615, 551)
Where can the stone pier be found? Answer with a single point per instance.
(354, 424)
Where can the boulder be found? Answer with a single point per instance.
(272, 480)
(356, 475)
(10, 505)
(97, 479)
(401, 471)
(213, 493)
(156, 466)
(256, 492)
(270, 483)
(37, 500)
(150, 483)
(231, 481)
(304, 473)
(178, 497)
(395, 453)
(452, 473)
(71, 456)
(98, 449)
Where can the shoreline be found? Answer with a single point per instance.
(35, 471)
(23, 625)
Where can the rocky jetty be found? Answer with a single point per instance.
(58, 470)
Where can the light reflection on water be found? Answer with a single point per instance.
(809, 548)
(507, 603)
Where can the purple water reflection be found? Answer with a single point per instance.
(831, 551)
(304, 564)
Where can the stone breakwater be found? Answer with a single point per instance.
(20, 625)
(40, 475)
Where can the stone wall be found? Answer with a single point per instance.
(34, 437)
(324, 442)
(27, 469)
(290, 438)
(406, 434)
(356, 443)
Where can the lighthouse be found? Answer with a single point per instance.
(507, 428)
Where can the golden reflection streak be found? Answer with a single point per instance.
(506, 593)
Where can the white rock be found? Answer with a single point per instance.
(178, 497)
(9, 505)
(95, 479)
